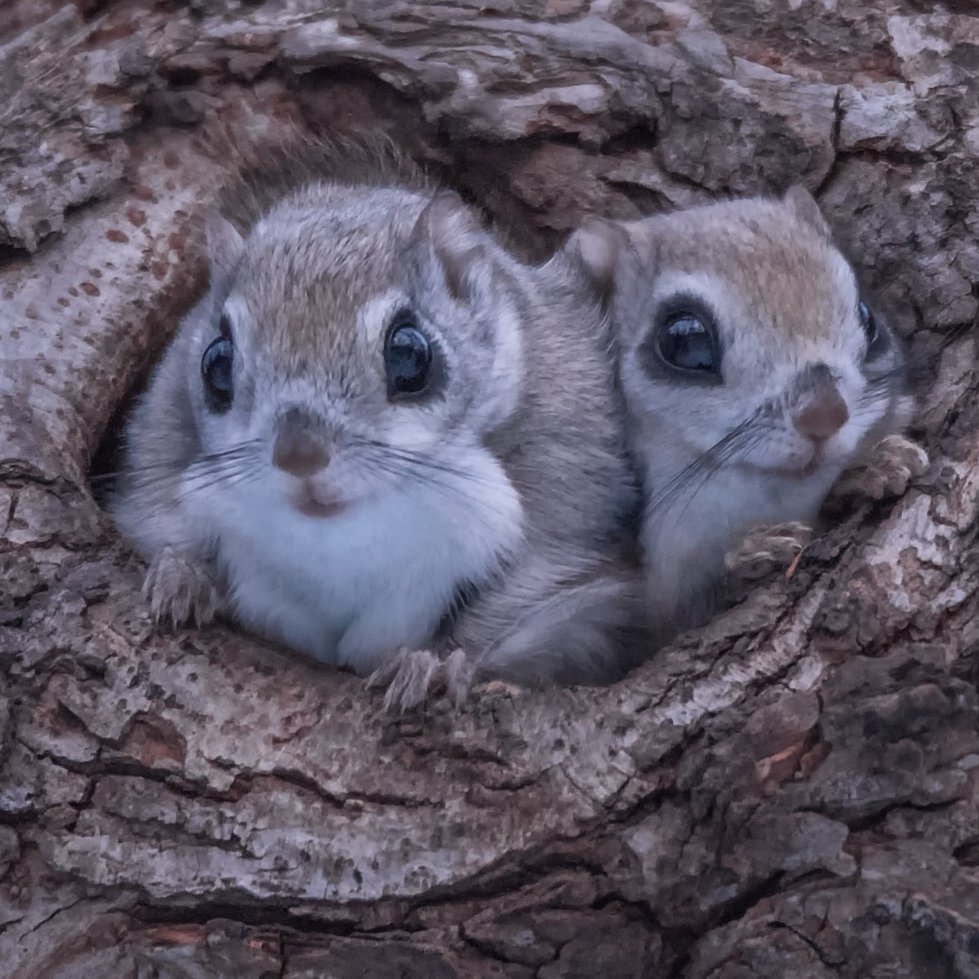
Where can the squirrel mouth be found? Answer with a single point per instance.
(815, 463)
(310, 505)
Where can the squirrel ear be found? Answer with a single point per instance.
(597, 245)
(452, 230)
(803, 205)
(224, 245)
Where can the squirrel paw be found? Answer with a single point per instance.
(766, 549)
(893, 463)
(413, 675)
(502, 688)
(180, 591)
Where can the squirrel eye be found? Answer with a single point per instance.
(687, 343)
(407, 359)
(869, 323)
(216, 370)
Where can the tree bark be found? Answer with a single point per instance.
(791, 791)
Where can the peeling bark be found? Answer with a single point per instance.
(789, 792)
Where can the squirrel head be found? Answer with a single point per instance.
(356, 334)
(744, 340)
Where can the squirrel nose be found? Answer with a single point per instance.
(296, 450)
(821, 411)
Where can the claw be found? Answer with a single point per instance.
(179, 590)
(767, 548)
(411, 675)
(894, 462)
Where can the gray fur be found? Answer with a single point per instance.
(720, 455)
(550, 586)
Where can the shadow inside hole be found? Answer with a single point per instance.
(107, 463)
(109, 458)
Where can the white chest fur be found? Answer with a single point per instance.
(351, 589)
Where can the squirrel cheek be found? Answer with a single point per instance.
(414, 425)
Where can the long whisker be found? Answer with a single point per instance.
(446, 489)
(422, 470)
(746, 440)
(415, 459)
(229, 468)
(242, 450)
(200, 478)
(876, 391)
(692, 478)
(421, 474)
(926, 358)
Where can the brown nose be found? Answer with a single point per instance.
(298, 451)
(822, 413)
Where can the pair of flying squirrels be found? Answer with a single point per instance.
(383, 440)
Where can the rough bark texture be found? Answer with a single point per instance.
(790, 792)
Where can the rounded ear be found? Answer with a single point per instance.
(453, 233)
(224, 245)
(803, 205)
(597, 246)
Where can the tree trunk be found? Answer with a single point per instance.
(791, 791)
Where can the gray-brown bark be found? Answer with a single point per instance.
(791, 792)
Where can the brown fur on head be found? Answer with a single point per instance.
(318, 284)
(268, 174)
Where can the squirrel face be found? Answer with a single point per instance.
(356, 337)
(745, 344)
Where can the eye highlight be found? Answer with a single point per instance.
(686, 342)
(408, 359)
(217, 373)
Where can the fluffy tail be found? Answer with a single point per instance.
(588, 633)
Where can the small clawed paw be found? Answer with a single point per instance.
(766, 549)
(413, 675)
(894, 462)
(179, 591)
(502, 688)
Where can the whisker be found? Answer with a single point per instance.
(751, 439)
(230, 467)
(697, 473)
(229, 478)
(418, 474)
(416, 459)
(235, 480)
(420, 470)
(243, 449)
(927, 358)
(878, 387)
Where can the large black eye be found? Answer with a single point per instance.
(216, 370)
(407, 359)
(868, 322)
(687, 343)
